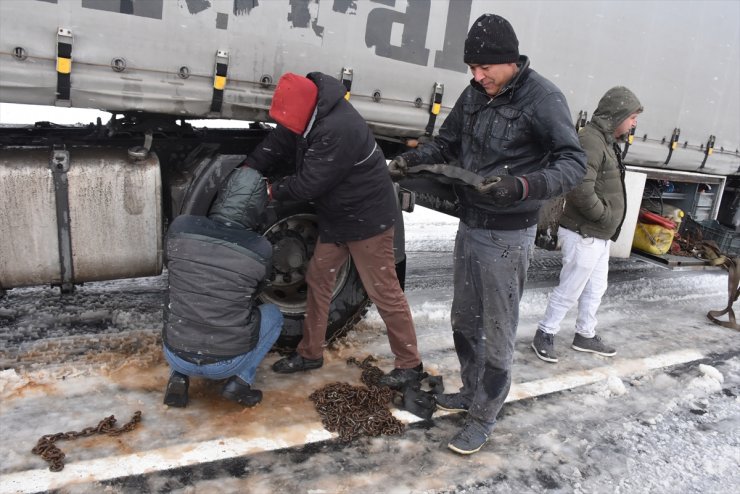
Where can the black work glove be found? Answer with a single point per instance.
(398, 168)
(504, 190)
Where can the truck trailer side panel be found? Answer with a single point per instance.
(681, 58)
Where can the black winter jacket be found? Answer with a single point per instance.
(216, 266)
(338, 166)
(526, 130)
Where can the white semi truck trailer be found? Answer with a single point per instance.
(92, 202)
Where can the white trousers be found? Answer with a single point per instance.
(582, 279)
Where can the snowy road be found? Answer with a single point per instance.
(661, 416)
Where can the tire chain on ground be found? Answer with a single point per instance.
(49, 451)
(352, 411)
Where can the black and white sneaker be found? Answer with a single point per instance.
(470, 439)
(452, 402)
(544, 346)
(592, 345)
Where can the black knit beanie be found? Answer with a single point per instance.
(491, 40)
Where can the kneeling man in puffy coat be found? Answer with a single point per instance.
(213, 327)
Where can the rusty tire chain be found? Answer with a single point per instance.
(49, 451)
(352, 411)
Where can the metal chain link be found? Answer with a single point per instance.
(352, 411)
(49, 451)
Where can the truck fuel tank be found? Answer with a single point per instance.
(81, 214)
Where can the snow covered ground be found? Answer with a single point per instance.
(662, 416)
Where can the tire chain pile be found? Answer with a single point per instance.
(352, 411)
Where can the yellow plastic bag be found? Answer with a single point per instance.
(653, 239)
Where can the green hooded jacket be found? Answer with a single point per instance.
(596, 208)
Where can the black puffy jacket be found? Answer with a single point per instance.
(216, 265)
(526, 130)
(338, 166)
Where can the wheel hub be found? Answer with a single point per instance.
(293, 239)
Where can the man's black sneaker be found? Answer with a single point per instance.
(241, 392)
(295, 363)
(398, 378)
(544, 346)
(452, 402)
(470, 439)
(176, 393)
(592, 345)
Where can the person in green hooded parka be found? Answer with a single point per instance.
(591, 220)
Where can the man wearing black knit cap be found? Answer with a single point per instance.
(512, 126)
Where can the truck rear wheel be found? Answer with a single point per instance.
(293, 235)
(292, 229)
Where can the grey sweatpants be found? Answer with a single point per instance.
(490, 268)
